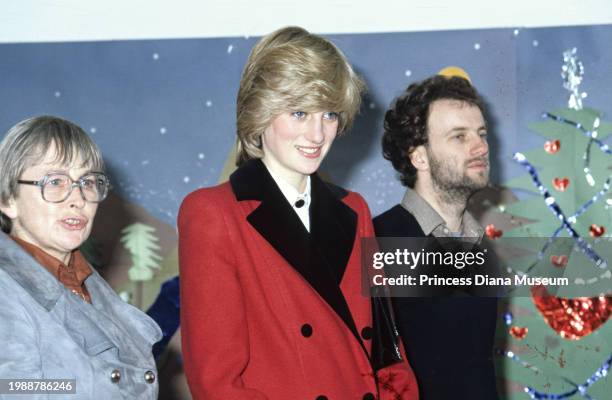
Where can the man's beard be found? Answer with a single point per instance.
(452, 183)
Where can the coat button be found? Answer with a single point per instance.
(369, 396)
(307, 332)
(149, 377)
(321, 397)
(115, 376)
(366, 333)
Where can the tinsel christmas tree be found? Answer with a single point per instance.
(557, 345)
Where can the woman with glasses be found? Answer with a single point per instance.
(270, 276)
(59, 319)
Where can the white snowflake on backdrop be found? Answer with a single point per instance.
(384, 183)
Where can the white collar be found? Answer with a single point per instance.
(293, 195)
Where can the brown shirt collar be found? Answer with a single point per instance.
(72, 275)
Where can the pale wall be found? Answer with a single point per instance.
(84, 20)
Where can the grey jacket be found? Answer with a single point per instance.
(48, 332)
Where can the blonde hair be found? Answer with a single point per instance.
(292, 70)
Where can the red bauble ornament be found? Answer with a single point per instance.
(597, 230)
(493, 233)
(561, 184)
(572, 319)
(519, 332)
(552, 147)
(559, 261)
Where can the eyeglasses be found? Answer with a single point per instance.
(57, 187)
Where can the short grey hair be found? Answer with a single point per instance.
(27, 142)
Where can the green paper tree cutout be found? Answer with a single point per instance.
(140, 240)
(548, 362)
(142, 244)
(569, 162)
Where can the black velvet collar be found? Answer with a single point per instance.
(320, 256)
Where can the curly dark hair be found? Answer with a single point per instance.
(406, 121)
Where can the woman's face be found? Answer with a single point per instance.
(296, 143)
(56, 228)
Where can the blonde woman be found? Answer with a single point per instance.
(271, 304)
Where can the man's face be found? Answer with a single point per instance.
(457, 149)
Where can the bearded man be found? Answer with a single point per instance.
(436, 138)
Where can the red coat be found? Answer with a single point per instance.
(269, 311)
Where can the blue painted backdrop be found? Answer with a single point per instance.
(163, 110)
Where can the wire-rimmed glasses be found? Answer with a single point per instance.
(57, 187)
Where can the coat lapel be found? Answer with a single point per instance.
(34, 278)
(333, 225)
(320, 257)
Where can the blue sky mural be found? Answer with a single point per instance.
(163, 110)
